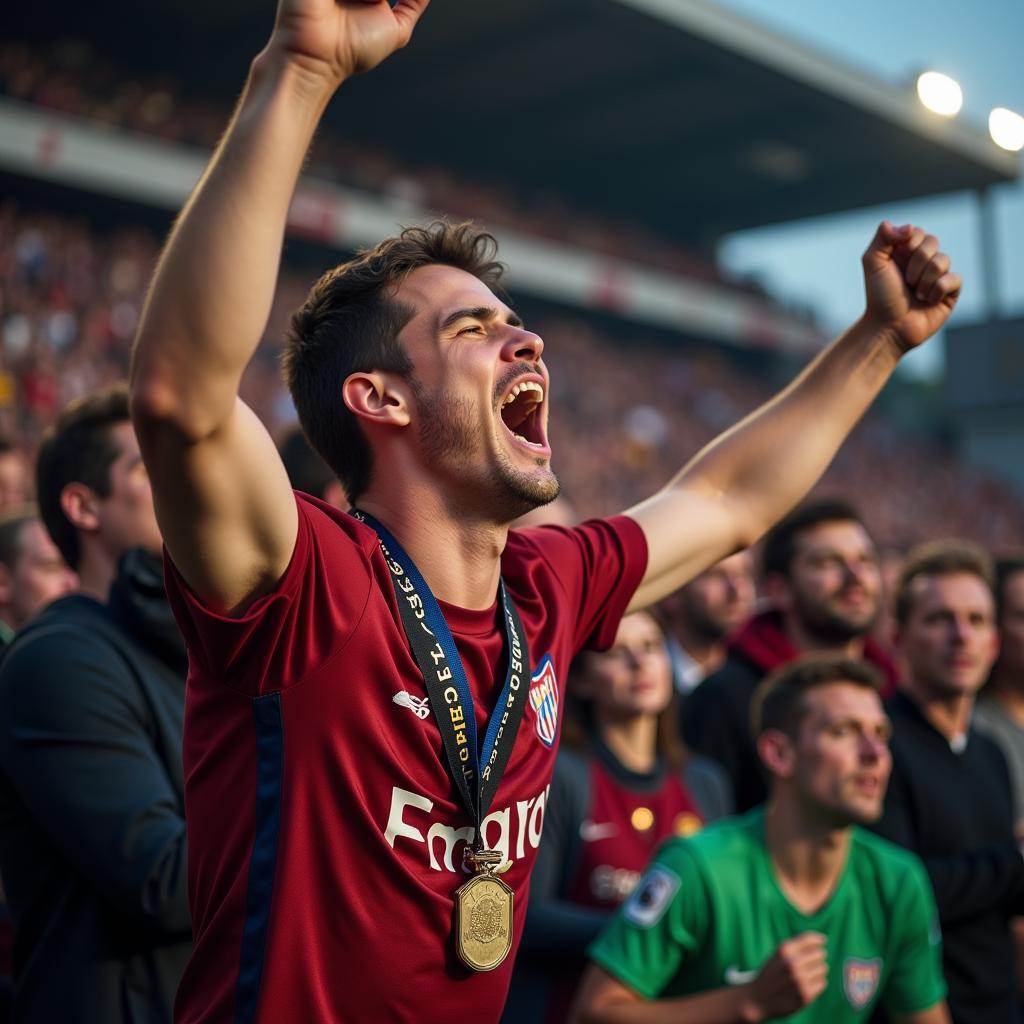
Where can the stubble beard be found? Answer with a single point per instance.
(832, 627)
(709, 628)
(450, 434)
(842, 813)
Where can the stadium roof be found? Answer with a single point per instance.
(676, 113)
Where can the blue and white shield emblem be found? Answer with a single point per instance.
(860, 980)
(544, 700)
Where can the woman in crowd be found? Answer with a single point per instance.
(622, 784)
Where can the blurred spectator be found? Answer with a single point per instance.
(307, 472)
(949, 797)
(72, 78)
(822, 583)
(1000, 712)
(94, 494)
(32, 572)
(622, 784)
(792, 911)
(699, 617)
(14, 476)
(92, 848)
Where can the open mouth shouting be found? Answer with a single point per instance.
(522, 413)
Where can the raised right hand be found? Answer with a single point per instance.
(794, 977)
(336, 39)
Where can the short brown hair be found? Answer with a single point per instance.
(78, 448)
(779, 545)
(778, 702)
(351, 322)
(13, 520)
(940, 558)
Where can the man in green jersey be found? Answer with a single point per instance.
(790, 912)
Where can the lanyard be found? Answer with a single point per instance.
(476, 772)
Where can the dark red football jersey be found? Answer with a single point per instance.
(325, 835)
(624, 826)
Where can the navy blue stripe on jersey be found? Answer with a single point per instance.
(266, 713)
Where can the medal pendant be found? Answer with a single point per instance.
(483, 922)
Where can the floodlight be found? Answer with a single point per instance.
(1006, 128)
(940, 93)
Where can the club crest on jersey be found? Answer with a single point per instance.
(860, 980)
(650, 899)
(544, 700)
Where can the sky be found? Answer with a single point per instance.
(980, 44)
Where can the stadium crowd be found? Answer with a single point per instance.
(817, 854)
(69, 77)
(71, 295)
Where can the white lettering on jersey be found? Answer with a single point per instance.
(448, 836)
(401, 798)
(501, 830)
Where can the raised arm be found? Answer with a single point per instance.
(222, 496)
(747, 479)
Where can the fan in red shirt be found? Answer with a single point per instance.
(357, 850)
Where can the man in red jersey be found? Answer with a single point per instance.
(355, 852)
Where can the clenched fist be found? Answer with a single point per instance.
(794, 977)
(340, 38)
(910, 288)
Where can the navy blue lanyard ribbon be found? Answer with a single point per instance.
(476, 772)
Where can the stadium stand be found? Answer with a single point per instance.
(69, 78)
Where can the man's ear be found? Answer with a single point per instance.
(777, 753)
(378, 397)
(80, 505)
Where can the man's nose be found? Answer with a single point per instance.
(523, 345)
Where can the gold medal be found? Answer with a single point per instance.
(483, 919)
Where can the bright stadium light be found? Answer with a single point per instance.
(1006, 128)
(940, 93)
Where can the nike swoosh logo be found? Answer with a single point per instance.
(734, 976)
(592, 831)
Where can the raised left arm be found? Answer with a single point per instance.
(743, 482)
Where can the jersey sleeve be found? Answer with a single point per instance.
(915, 982)
(662, 925)
(305, 620)
(597, 566)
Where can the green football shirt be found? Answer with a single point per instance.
(709, 913)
